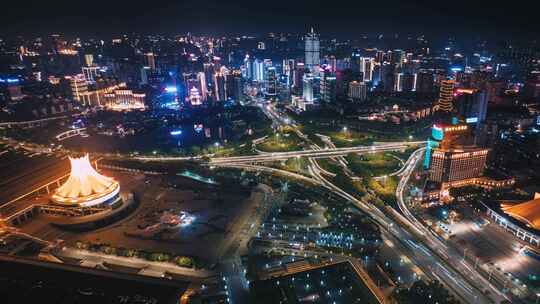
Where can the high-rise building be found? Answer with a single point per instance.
(398, 82)
(408, 82)
(424, 82)
(308, 93)
(312, 50)
(270, 84)
(366, 67)
(471, 105)
(203, 89)
(357, 91)
(247, 72)
(532, 86)
(150, 60)
(220, 91)
(449, 165)
(258, 70)
(446, 96)
(328, 88)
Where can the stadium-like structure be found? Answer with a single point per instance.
(85, 187)
(527, 212)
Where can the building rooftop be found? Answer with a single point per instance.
(527, 212)
(85, 186)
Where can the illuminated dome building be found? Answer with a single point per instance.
(85, 187)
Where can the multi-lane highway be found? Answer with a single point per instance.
(313, 153)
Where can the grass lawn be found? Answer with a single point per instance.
(329, 165)
(372, 165)
(281, 142)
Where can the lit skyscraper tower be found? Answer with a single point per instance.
(307, 92)
(446, 96)
(203, 88)
(312, 50)
(248, 68)
(258, 70)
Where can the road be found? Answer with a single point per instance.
(450, 255)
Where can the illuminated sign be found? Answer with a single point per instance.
(538, 120)
(471, 120)
(176, 132)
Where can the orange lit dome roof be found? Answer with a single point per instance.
(85, 186)
(527, 212)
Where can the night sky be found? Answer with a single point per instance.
(331, 17)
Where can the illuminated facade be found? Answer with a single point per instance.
(446, 96)
(312, 50)
(194, 97)
(357, 90)
(85, 187)
(454, 165)
(121, 100)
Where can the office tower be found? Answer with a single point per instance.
(312, 50)
(144, 75)
(357, 91)
(379, 57)
(424, 82)
(121, 100)
(220, 92)
(194, 97)
(150, 61)
(398, 82)
(471, 105)
(288, 71)
(90, 73)
(495, 89)
(308, 93)
(531, 88)
(408, 82)
(298, 77)
(366, 67)
(237, 91)
(89, 59)
(258, 70)
(203, 89)
(270, 84)
(446, 96)
(248, 68)
(387, 77)
(328, 88)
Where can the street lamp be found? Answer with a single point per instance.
(537, 297)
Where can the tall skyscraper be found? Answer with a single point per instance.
(446, 96)
(471, 105)
(150, 61)
(258, 70)
(328, 88)
(424, 82)
(203, 89)
(366, 67)
(312, 50)
(307, 92)
(220, 92)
